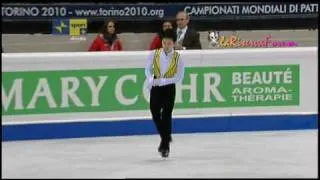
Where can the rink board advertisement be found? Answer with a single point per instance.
(67, 95)
(45, 92)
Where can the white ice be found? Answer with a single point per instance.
(273, 154)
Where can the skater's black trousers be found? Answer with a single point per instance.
(161, 105)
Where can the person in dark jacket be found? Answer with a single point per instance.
(156, 41)
(107, 39)
(187, 38)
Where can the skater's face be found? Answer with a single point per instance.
(167, 44)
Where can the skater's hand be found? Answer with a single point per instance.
(162, 81)
(156, 82)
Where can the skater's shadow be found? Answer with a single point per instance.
(157, 160)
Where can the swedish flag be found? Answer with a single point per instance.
(60, 27)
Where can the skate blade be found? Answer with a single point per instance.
(164, 155)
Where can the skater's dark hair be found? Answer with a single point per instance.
(169, 34)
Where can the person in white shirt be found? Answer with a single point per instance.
(163, 70)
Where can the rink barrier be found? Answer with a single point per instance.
(44, 91)
(146, 127)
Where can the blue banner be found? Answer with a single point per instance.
(140, 12)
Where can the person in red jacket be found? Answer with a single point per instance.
(156, 41)
(107, 39)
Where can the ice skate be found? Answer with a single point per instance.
(165, 153)
(164, 149)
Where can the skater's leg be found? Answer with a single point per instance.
(155, 107)
(170, 93)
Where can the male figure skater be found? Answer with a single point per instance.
(163, 70)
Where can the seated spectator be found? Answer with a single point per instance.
(107, 39)
(157, 39)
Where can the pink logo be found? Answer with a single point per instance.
(236, 41)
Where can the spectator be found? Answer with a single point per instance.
(187, 38)
(157, 39)
(107, 39)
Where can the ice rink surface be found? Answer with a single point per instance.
(269, 154)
